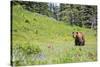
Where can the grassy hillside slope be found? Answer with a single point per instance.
(38, 39)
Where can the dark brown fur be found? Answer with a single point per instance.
(79, 38)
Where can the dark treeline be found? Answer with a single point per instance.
(80, 15)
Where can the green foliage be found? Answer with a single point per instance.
(22, 53)
(79, 15)
(39, 7)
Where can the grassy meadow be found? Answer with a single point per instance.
(38, 39)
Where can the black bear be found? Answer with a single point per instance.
(79, 38)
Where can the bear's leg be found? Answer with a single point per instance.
(79, 43)
(83, 43)
(76, 43)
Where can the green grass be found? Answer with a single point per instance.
(38, 39)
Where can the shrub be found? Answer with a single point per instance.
(27, 21)
(24, 54)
